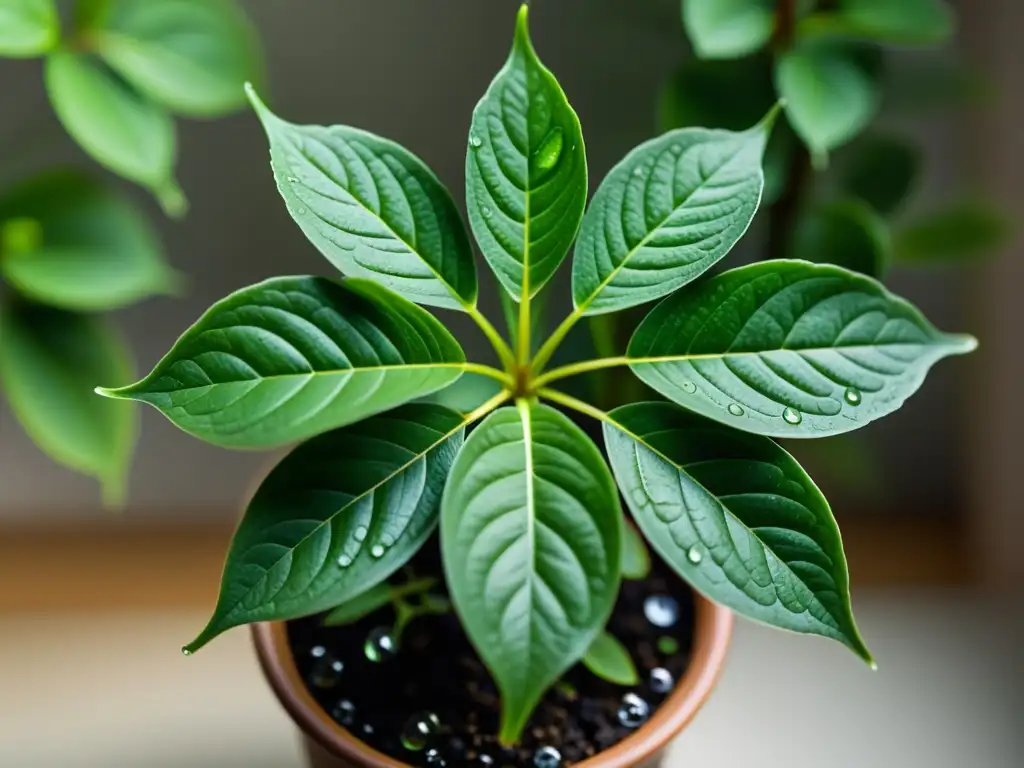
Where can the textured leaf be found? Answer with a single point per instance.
(847, 233)
(608, 659)
(526, 171)
(94, 250)
(373, 209)
(28, 27)
(120, 129)
(882, 171)
(49, 363)
(293, 357)
(789, 348)
(736, 517)
(728, 29)
(530, 533)
(830, 95)
(337, 516)
(924, 22)
(192, 56)
(667, 213)
(636, 560)
(957, 233)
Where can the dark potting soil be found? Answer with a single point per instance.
(435, 691)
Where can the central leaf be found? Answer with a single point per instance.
(526, 171)
(292, 357)
(531, 535)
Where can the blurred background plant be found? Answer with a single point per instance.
(74, 245)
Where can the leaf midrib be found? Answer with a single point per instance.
(531, 511)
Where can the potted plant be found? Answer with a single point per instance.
(524, 581)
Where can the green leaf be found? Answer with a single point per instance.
(192, 56)
(373, 209)
(907, 22)
(120, 129)
(526, 171)
(373, 599)
(636, 560)
(49, 362)
(728, 29)
(847, 233)
(736, 517)
(28, 27)
(830, 95)
(337, 516)
(93, 249)
(788, 348)
(293, 357)
(958, 233)
(882, 170)
(608, 659)
(467, 393)
(667, 213)
(530, 533)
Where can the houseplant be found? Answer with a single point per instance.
(533, 543)
(72, 246)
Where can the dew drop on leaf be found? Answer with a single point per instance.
(735, 410)
(360, 533)
(344, 561)
(792, 416)
(689, 387)
(549, 151)
(486, 211)
(377, 551)
(852, 396)
(475, 142)
(694, 555)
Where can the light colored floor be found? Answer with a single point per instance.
(111, 691)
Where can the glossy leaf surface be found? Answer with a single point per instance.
(192, 56)
(789, 348)
(49, 363)
(292, 357)
(736, 517)
(526, 171)
(337, 516)
(28, 27)
(608, 659)
(728, 29)
(94, 249)
(530, 533)
(847, 233)
(665, 214)
(120, 129)
(373, 209)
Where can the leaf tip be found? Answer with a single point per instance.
(171, 199)
(767, 123)
(108, 392)
(262, 110)
(964, 343)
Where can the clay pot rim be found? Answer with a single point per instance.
(712, 633)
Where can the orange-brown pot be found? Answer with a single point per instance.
(331, 746)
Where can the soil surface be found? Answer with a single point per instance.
(435, 692)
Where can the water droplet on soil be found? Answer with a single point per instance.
(547, 757)
(661, 680)
(792, 416)
(485, 760)
(380, 645)
(694, 555)
(433, 757)
(317, 651)
(344, 712)
(550, 150)
(368, 729)
(661, 610)
(419, 729)
(633, 711)
(326, 672)
(689, 388)
(852, 396)
(735, 410)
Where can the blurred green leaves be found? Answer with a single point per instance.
(725, 29)
(956, 233)
(881, 171)
(897, 22)
(847, 233)
(28, 27)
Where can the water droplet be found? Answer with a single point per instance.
(549, 151)
(293, 180)
(326, 672)
(486, 212)
(661, 680)
(661, 610)
(638, 171)
(318, 652)
(668, 646)
(186, 652)
(368, 729)
(689, 387)
(633, 711)
(301, 211)
(547, 757)
(735, 410)
(344, 712)
(852, 396)
(344, 561)
(380, 645)
(792, 416)
(360, 533)
(377, 551)
(677, 149)
(434, 757)
(485, 760)
(694, 555)
(475, 141)
(419, 729)
(387, 540)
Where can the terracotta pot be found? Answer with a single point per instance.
(331, 746)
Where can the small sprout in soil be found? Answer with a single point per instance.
(634, 711)
(326, 672)
(661, 610)
(380, 645)
(661, 680)
(668, 646)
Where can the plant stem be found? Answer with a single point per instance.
(783, 214)
(525, 335)
(556, 338)
(574, 369)
(489, 372)
(501, 347)
(486, 408)
(785, 24)
(575, 404)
